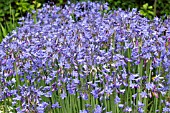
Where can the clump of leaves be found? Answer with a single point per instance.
(147, 11)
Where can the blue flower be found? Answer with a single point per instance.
(128, 109)
(143, 94)
(150, 86)
(140, 110)
(140, 104)
(84, 96)
(98, 109)
(165, 109)
(84, 111)
(121, 105)
(83, 54)
(56, 105)
(117, 100)
(63, 95)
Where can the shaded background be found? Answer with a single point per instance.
(12, 10)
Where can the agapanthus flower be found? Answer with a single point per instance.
(128, 109)
(56, 105)
(117, 100)
(140, 104)
(98, 109)
(143, 94)
(84, 111)
(81, 50)
(150, 86)
(121, 105)
(165, 109)
(140, 110)
(63, 95)
(84, 96)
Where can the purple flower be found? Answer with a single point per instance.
(81, 50)
(27, 65)
(143, 94)
(18, 109)
(117, 100)
(9, 64)
(63, 95)
(133, 76)
(150, 86)
(84, 111)
(132, 85)
(98, 109)
(55, 105)
(84, 96)
(76, 81)
(17, 97)
(134, 96)
(108, 90)
(43, 104)
(128, 109)
(121, 105)
(48, 94)
(124, 76)
(140, 104)
(165, 109)
(95, 92)
(140, 110)
(41, 107)
(71, 91)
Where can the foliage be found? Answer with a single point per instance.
(11, 11)
(6, 10)
(147, 11)
(16, 8)
(163, 7)
(6, 28)
(124, 4)
(86, 58)
(24, 6)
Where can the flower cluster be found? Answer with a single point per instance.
(87, 51)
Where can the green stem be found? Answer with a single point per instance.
(145, 107)
(155, 3)
(156, 104)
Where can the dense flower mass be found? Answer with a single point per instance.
(84, 51)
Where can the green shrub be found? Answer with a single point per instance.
(11, 11)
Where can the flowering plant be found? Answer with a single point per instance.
(83, 58)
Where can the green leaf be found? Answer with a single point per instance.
(25, 4)
(150, 7)
(1, 19)
(142, 12)
(17, 3)
(16, 14)
(32, 7)
(2, 14)
(110, 1)
(1, 5)
(19, 8)
(38, 5)
(7, 12)
(3, 30)
(6, 8)
(145, 6)
(151, 12)
(61, 1)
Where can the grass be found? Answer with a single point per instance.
(7, 26)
